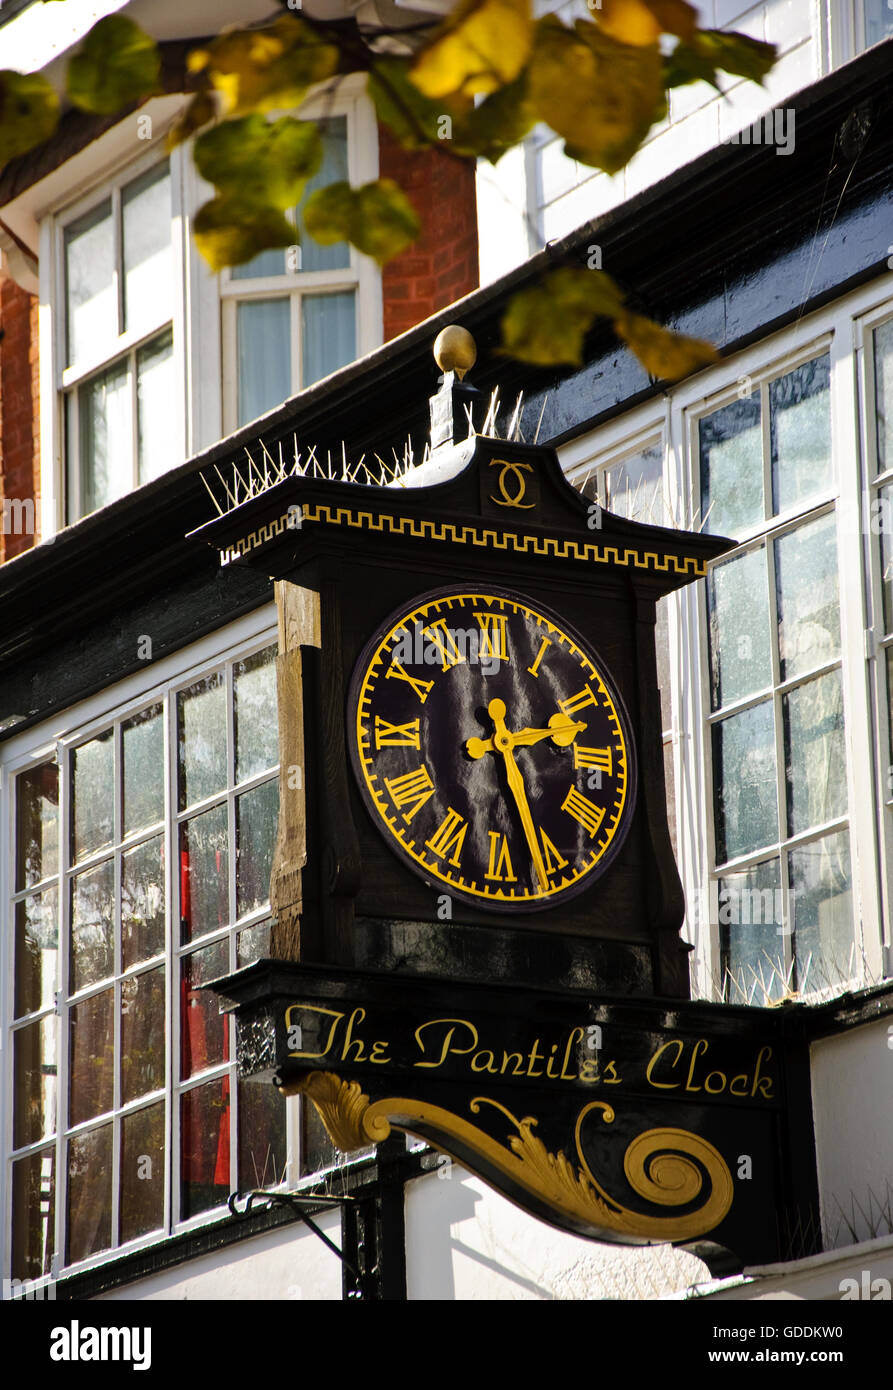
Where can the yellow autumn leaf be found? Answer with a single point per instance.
(230, 230)
(641, 22)
(663, 354)
(377, 218)
(482, 45)
(265, 69)
(546, 325)
(29, 111)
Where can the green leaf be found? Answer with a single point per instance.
(116, 65)
(401, 106)
(546, 325)
(663, 354)
(711, 50)
(602, 96)
(230, 230)
(201, 110)
(29, 112)
(267, 160)
(500, 122)
(482, 45)
(265, 69)
(377, 218)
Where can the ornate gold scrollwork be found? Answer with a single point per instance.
(665, 1167)
(516, 498)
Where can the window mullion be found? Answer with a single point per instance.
(64, 758)
(118, 255)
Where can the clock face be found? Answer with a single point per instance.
(491, 749)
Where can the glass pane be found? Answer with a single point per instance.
(90, 283)
(201, 739)
(751, 927)
(328, 335)
(333, 169)
(33, 1215)
(889, 781)
(738, 624)
(92, 926)
(883, 389)
(106, 437)
(204, 874)
(634, 488)
(89, 1193)
(156, 415)
(821, 888)
(143, 770)
(317, 1149)
(263, 333)
(204, 1030)
(146, 245)
(808, 604)
(745, 799)
(142, 903)
(878, 20)
(93, 795)
(262, 1135)
(670, 784)
(36, 952)
(34, 1094)
(92, 1055)
(265, 263)
(731, 450)
(142, 1172)
(800, 427)
(662, 652)
(204, 1138)
(253, 943)
(142, 1034)
(37, 824)
(257, 723)
(257, 815)
(815, 761)
(879, 521)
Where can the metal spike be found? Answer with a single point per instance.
(220, 511)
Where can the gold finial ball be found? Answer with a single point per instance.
(455, 350)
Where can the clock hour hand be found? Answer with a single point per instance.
(561, 731)
(503, 742)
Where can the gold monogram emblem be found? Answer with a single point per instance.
(512, 499)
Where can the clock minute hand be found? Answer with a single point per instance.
(503, 742)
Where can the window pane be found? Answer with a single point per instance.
(262, 1136)
(37, 824)
(265, 263)
(821, 886)
(751, 923)
(333, 169)
(253, 943)
(889, 780)
(257, 814)
(157, 418)
(878, 20)
(204, 1137)
(146, 244)
(142, 903)
(142, 1172)
(878, 521)
(204, 1030)
(883, 389)
(634, 488)
(106, 437)
(670, 784)
(731, 450)
(33, 1215)
(745, 799)
(263, 332)
(143, 738)
(815, 762)
(738, 616)
(800, 425)
(89, 1193)
(142, 1034)
(201, 734)
(662, 653)
(36, 952)
(34, 1094)
(92, 926)
(91, 1060)
(257, 725)
(808, 605)
(204, 874)
(93, 795)
(90, 283)
(329, 334)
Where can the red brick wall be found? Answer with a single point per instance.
(19, 436)
(443, 264)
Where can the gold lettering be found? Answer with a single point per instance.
(610, 1077)
(732, 1091)
(573, 703)
(589, 1069)
(396, 735)
(518, 1061)
(575, 1037)
(761, 1082)
(447, 1047)
(664, 1085)
(552, 860)
(445, 642)
(534, 669)
(411, 789)
(395, 672)
(500, 868)
(552, 1074)
(451, 831)
(309, 1009)
(376, 1047)
(700, 1046)
(484, 1066)
(493, 638)
(357, 1016)
(534, 1056)
(715, 1090)
(583, 810)
(599, 758)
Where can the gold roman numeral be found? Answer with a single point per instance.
(593, 757)
(573, 703)
(534, 669)
(493, 636)
(411, 789)
(500, 870)
(552, 860)
(583, 810)
(396, 735)
(445, 643)
(395, 672)
(451, 831)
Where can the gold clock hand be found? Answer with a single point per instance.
(503, 741)
(561, 730)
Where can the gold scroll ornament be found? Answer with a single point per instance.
(658, 1163)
